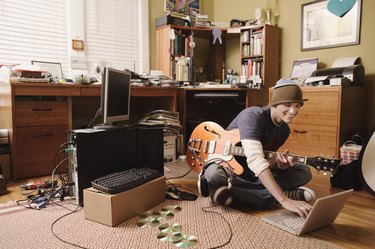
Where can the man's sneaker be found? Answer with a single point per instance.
(301, 194)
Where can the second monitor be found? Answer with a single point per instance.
(115, 97)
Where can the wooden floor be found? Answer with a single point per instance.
(353, 228)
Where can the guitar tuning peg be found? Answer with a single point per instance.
(331, 170)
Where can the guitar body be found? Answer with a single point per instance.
(203, 136)
(210, 141)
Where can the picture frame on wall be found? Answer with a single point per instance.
(321, 29)
(182, 7)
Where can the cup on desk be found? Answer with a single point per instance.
(81, 79)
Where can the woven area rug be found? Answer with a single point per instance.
(26, 228)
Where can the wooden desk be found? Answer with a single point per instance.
(38, 116)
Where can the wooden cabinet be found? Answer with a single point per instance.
(40, 124)
(326, 120)
(260, 54)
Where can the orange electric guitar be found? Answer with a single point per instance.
(210, 141)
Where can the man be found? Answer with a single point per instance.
(265, 183)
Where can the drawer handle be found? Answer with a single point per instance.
(300, 132)
(43, 135)
(41, 109)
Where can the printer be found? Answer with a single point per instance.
(354, 74)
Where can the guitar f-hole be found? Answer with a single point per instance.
(212, 132)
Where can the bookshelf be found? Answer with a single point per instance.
(205, 53)
(260, 54)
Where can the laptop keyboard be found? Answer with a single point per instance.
(293, 222)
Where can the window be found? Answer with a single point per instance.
(33, 30)
(116, 34)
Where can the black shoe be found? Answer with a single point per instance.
(301, 194)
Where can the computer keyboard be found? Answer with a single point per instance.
(124, 180)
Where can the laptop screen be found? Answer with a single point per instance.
(304, 68)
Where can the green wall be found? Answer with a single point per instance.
(289, 22)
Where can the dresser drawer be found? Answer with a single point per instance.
(320, 109)
(312, 140)
(39, 113)
(36, 149)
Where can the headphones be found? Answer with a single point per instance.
(222, 194)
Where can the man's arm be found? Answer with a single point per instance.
(260, 166)
(271, 185)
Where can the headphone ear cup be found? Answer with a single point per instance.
(203, 185)
(222, 196)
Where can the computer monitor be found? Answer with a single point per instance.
(115, 97)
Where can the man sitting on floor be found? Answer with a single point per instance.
(265, 183)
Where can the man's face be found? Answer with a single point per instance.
(287, 112)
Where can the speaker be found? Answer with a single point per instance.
(223, 194)
(150, 147)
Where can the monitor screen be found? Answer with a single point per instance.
(115, 97)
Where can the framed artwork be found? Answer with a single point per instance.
(182, 7)
(78, 45)
(322, 29)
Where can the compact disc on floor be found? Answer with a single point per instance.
(168, 215)
(156, 215)
(143, 223)
(152, 214)
(186, 241)
(175, 227)
(173, 209)
(149, 222)
(144, 215)
(173, 237)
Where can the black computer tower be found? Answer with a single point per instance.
(150, 146)
(95, 153)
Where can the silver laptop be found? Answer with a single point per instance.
(302, 69)
(324, 212)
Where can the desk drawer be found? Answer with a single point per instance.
(39, 113)
(321, 109)
(312, 140)
(36, 148)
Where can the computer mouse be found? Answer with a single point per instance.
(173, 190)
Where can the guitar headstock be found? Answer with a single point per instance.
(324, 164)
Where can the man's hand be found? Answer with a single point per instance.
(282, 161)
(300, 207)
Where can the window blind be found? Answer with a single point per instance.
(33, 30)
(112, 34)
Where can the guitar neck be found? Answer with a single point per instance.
(270, 155)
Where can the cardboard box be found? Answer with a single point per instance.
(114, 209)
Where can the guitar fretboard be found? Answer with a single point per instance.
(269, 155)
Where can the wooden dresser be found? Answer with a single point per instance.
(326, 120)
